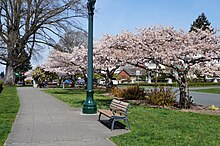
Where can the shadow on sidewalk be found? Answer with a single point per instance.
(117, 125)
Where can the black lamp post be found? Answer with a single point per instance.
(89, 106)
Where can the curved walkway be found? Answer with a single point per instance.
(205, 98)
(45, 121)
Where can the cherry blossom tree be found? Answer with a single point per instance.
(67, 64)
(105, 60)
(75, 61)
(180, 51)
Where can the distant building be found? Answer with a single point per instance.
(127, 73)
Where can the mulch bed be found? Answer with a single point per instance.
(195, 108)
(203, 109)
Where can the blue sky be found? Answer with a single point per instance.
(113, 16)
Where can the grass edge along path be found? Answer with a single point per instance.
(210, 90)
(155, 126)
(9, 106)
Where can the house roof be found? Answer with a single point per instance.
(131, 71)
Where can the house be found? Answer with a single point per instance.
(129, 74)
(132, 73)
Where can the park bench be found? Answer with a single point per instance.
(118, 111)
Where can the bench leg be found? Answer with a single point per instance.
(126, 120)
(99, 116)
(113, 123)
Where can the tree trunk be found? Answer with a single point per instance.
(108, 83)
(73, 79)
(108, 79)
(185, 100)
(10, 76)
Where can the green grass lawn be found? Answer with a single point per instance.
(155, 126)
(211, 90)
(9, 105)
(76, 97)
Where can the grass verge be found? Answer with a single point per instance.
(76, 97)
(155, 126)
(9, 105)
(211, 90)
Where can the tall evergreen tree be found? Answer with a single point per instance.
(23, 65)
(2, 75)
(201, 23)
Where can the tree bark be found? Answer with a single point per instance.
(10, 76)
(109, 76)
(185, 100)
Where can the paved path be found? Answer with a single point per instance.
(45, 121)
(203, 98)
(206, 98)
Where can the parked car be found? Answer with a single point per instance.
(114, 81)
(68, 82)
(101, 82)
(80, 82)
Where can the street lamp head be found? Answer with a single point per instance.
(93, 1)
(91, 6)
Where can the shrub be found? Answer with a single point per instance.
(162, 96)
(1, 83)
(130, 93)
(134, 93)
(118, 92)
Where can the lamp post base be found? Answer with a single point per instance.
(89, 106)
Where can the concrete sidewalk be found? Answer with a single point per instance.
(45, 121)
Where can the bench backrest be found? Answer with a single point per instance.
(122, 107)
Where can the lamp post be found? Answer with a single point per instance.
(89, 106)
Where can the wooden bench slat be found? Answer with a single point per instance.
(121, 109)
(120, 102)
(116, 104)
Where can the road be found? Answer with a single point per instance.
(202, 98)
